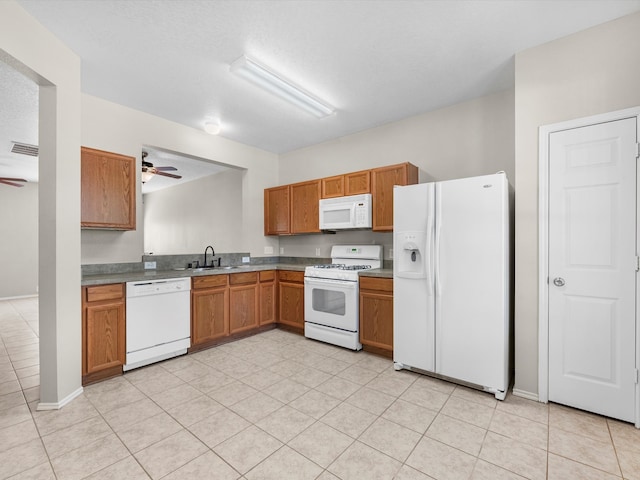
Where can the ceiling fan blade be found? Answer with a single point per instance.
(168, 175)
(13, 184)
(166, 169)
(13, 179)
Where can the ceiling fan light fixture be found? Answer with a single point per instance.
(146, 176)
(212, 128)
(276, 84)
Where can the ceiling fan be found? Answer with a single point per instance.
(148, 170)
(12, 181)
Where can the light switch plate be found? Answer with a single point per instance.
(281, 250)
(246, 259)
(268, 250)
(317, 252)
(391, 253)
(149, 265)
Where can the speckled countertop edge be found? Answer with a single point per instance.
(104, 279)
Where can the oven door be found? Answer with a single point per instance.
(333, 303)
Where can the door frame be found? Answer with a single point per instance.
(543, 243)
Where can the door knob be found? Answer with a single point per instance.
(558, 282)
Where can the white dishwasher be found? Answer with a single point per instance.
(158, 320)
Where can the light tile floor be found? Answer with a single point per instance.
(279, 406)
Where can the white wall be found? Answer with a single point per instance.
(464, 140)
(112, 127)
(28, 47)
(188, 217)
(18, 240)
(590, 72)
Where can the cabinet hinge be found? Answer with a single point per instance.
(637, 377)
(637, 150)
(637, 263)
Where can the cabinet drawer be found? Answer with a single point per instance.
(105, 292)
(377, 284)
(240, 278)
(290, 276)
(209, 281)
(267, 275)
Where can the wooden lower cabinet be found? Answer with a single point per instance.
(291, 298)
(243, 301)
(268, 299)
(209, 309)
(103, 331)
(376, 313)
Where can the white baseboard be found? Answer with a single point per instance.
(61, 403)
(525, 394)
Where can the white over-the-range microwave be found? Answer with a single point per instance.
(343, 213)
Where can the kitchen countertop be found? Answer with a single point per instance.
(104, 279)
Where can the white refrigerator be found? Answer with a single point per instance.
(451, 280)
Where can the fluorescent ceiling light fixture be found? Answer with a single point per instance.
(212, 128)
(275, 83)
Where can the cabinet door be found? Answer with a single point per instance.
(383, 180)
(104, 336)
(291, 301)
(376, 320)
(333, 186)
(108, 190)
(209, 315)
(243, 309)
(276, 210)
(304, 207)
(267, 297)
(357, 183)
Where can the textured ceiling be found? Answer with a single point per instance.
(376, 61)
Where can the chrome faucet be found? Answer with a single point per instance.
(205, 255)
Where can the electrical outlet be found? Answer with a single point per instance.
(281, 250)
(391, 253)
(268, 250)
(317, 252)
(149, 265)
(246, 259)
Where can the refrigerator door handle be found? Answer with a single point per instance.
(428, 258)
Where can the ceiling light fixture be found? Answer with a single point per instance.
(212, 128)
(275, 83)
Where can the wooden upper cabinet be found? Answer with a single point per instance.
(305, 197)
(108, 186)
(382, 181)
(333, 186)
(276, 210)
(357, 183)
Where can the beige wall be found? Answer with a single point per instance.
(28, 47)
(591, 72)
(464, 140)
(188, 217)
(18, 240)
(112, 127)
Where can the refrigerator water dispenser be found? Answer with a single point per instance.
(411, 250)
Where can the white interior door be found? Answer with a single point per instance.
(592, 268)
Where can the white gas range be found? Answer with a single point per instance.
(331, 294)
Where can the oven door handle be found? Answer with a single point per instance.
(319, 282)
